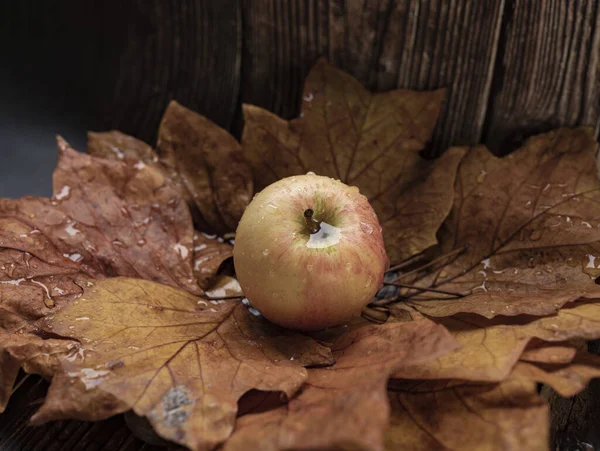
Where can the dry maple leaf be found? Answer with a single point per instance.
(372, 141)
(106, 218)
(509, 415)
(530, 223)
(207, 162)
(345, 405)
(491, 347)
(69, 397)
(115, 145)
(33, 354)
(177, 359)
(203, 162)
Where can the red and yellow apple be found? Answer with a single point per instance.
(309, 252)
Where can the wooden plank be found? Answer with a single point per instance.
(16, 434)
(547, 73)
(112, 64)
(189, 51)
(575, 420)
(418, 44)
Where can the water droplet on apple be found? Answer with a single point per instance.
(265, 252)
(309, 267)
(366, 228)
(348, 266)
(310, 173)
(272, 205)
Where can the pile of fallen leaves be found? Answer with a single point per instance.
(119, 288)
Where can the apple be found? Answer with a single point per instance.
(309, 252)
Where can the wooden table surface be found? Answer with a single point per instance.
(512, 67)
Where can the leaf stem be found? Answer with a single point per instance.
(18, 384)
(222, 298)
(407, 262)
(313, 225)
(454, 253)
(432, 290)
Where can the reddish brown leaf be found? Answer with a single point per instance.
(568, 379)
(106, 218)
(177, 359)
(31, 289)
(344, 406)
(491, 348)
(209, 254)
(33, 354)
(69, 397)
(531, 222)
(506, 416)
(207, 162)
(115, 145)
(368, 140)
(9, 370)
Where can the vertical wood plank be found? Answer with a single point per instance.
(547, 73)
(385, 44)
(189, 51)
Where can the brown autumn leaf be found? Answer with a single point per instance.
(176, 359)
(344, 406)
(31, 289)
(115, 145)
(209, 253)
(106, 218)
(508, 415)
(372, 141)
(490, 348)
(33, 354)
(69, 397)
(531, 225)
(202, 161)
(9, 370)
(206, 162)
(567, 379)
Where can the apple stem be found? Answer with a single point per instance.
(313, 225)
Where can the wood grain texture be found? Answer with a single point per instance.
(575, 420)
(108, 64)
(417, 44)
(547, 70)
(16, 435)
(188, 51)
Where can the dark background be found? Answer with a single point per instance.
(512, 68)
